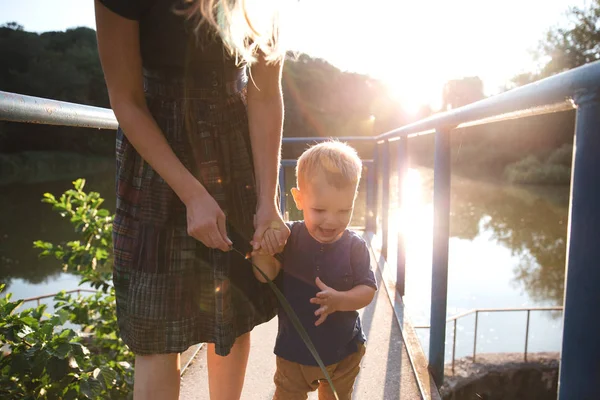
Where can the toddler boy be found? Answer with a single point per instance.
(325, 275)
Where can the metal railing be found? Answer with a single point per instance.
(38, 299)
(47, 296)
(578, 89)
(477, 311)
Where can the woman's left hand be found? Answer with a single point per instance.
(270, 231)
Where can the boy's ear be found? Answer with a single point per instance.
(297, 195)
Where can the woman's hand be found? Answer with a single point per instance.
(270, 232)
(206, 220)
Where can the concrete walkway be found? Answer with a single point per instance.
(386, 372)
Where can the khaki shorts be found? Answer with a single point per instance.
(293, 381)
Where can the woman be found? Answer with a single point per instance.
(197, 164)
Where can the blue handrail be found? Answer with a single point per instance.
(36, 110)
(548, 95)
(577, 88)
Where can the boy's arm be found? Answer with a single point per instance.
(356, 298)
(267, 264)
(332, 300)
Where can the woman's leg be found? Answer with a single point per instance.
(156, 377)
(226, 374)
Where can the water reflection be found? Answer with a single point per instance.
(507, 249)
(529, 224)
(24, 219)
(529, 221)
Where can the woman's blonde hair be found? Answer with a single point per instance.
(246, 27)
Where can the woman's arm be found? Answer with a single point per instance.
(119, 49)
(265, 117)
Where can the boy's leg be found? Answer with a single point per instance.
(156, 377)
(293, 381)
(343, 377)
(226, 374)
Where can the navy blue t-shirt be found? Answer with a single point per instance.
(341, 265)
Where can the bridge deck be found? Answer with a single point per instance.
(387, 371)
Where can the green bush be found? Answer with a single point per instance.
(41, 359)
(531, 170)
(562, 156)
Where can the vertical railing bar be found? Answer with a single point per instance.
(282, 191)
(475, 338)
(579, 367)
(370, 223)
(385, 197)
(454, 346)
(527, 334)
(373, 189)
(401, 251)
(365, 184)
(441, 233)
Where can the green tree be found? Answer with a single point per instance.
(575, 43)
(55, 65)
(460, 92)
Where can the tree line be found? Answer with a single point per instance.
(320, 100)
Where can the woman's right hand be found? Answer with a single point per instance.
(206, 221)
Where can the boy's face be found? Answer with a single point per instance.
(327, 209)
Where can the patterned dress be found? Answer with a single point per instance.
(172, 291)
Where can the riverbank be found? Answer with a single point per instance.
(503, 376)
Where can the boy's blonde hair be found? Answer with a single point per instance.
(340, 164)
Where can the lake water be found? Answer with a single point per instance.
(507, 249)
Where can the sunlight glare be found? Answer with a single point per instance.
(415, 47)
(415, 222)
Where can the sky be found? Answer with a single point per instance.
(415, 47)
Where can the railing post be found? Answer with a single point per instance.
(401, 253)
(454, 345)
(580, 355)
(385, 196)
(441, 233)
(372, 190)
(475, 338)
(371, 177)
(527, 335)
(282, 191)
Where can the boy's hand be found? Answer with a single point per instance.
(271, 232)
(261, 248)
(271, 236)
(329, 299)
(272, 241)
